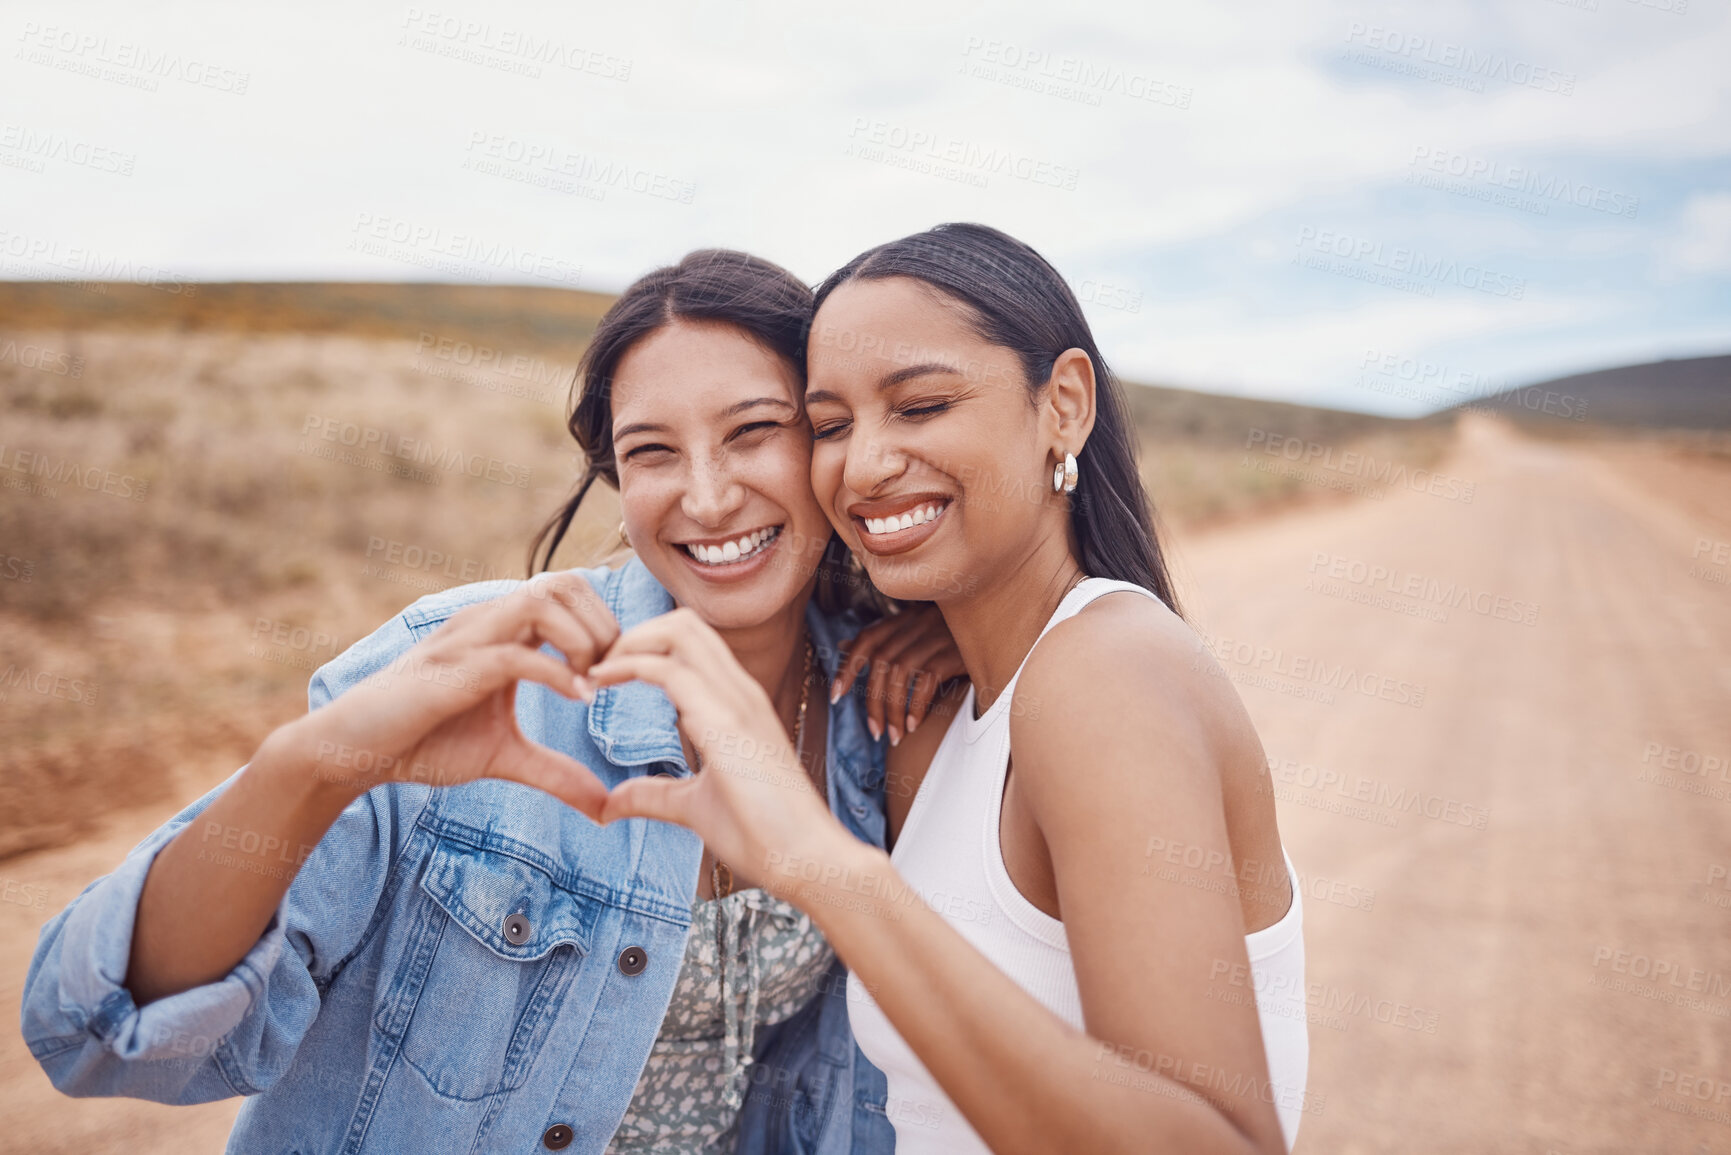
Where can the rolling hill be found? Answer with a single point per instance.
(1692, 393)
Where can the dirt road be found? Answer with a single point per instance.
(1535, 835)
(1500, 730)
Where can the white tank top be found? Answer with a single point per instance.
(948, 851)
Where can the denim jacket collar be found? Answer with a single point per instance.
(634, 723)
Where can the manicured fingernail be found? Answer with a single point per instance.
(583, 688)
(895, 736)
(835, 693)
(877, 730)
(913, 723)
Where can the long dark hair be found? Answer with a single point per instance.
(1015, 299)
(763, 301)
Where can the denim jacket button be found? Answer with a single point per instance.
(517, 931)
(632, 960)
(557, 1138)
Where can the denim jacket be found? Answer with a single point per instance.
(468, 969)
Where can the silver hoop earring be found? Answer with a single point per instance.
(1064, 475)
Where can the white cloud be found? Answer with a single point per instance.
(1702, 241)
(1255, 121)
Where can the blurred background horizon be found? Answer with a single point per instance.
(1265, 202)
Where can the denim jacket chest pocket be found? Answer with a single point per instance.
(495, 946)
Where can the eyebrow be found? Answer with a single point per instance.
(890, 380)
(733, 410)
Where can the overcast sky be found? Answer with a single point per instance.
(1303, 200)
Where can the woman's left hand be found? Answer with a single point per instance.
(752, 802)
(910, 655)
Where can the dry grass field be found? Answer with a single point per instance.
(204, 498)
(208, 495)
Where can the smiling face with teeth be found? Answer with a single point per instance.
(933, 456)
(714, 455)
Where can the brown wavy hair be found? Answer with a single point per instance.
(763, 301)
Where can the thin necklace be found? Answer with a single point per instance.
(719, 869)
(737, 1044)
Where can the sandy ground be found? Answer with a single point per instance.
(1497, 805)
(1527, 1029)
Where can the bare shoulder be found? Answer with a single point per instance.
(1126, 673)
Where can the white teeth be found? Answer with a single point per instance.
(907, 520)
(733, 551)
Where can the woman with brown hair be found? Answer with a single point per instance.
(397, 928)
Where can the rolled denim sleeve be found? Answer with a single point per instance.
(238, 1034)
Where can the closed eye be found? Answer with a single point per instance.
(827, 430)
(653, 447)
(928, 410)
(754, 427)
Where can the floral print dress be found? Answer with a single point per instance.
(688, 1098)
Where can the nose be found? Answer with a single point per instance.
(871, 462)
(712, 494)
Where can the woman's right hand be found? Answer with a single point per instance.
(444, 712)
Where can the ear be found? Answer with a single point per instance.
(1069, 400)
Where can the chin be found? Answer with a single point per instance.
(736, 604)
(915, 579)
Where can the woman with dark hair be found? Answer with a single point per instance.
(1058, 954)
(381, 937)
